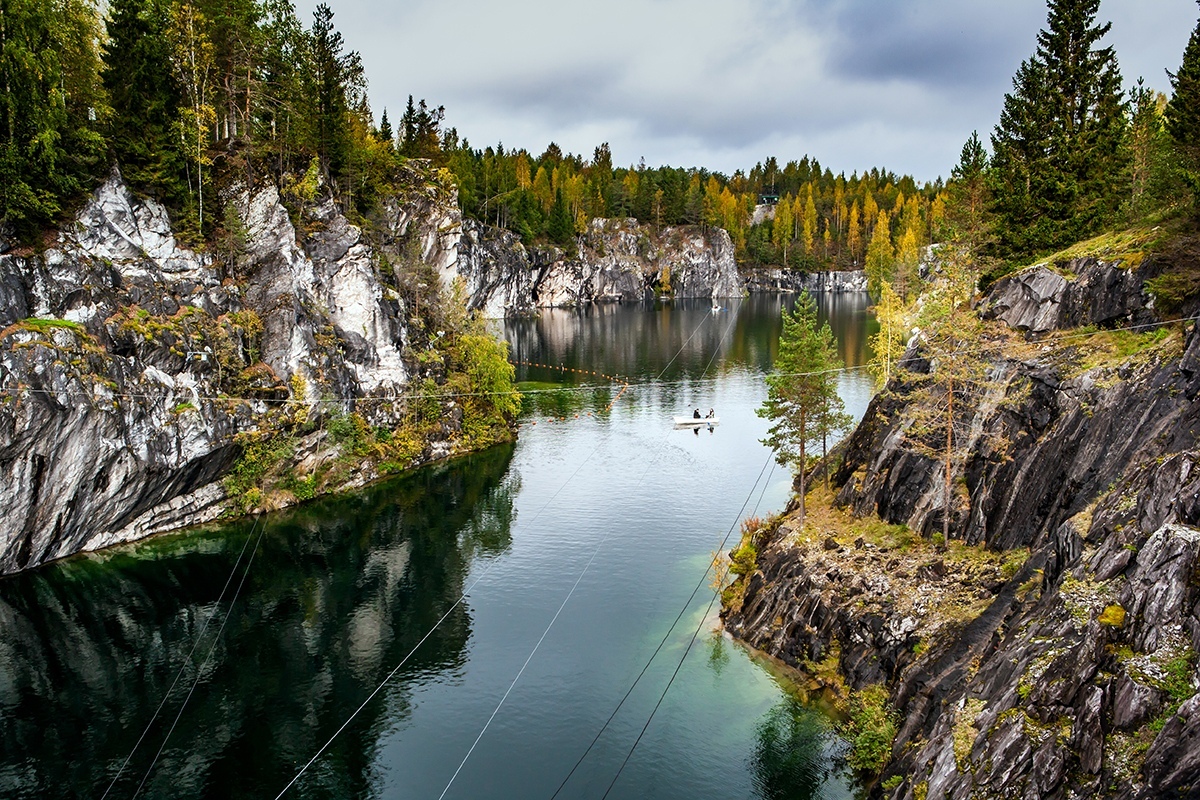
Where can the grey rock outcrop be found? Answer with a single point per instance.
(617, 261)
(790, 280)
(131, 365)
(1102, 293)
(1072, 671)
(134, 370)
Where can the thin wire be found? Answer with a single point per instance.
(581, 388)
(184, 663)
(695, 633)
(586, 567)
(521, 671)
(200, 670)
(662, 642)
(436, 625)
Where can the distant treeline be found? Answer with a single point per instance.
(816, 219)
(177, 91)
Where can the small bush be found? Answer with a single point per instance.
(871, 728)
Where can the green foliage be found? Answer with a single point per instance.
(744, 559)
(246, 481)
(1059, 151)
(1177, 678)
(870, 729)
(145, 99)
(1183, 112)
(967, 210)
(802, 398)
(49, 143)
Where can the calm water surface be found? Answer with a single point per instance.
(614, 512)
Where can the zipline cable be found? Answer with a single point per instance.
(582, 573)
(200, 670)
(1066, 336)
(436, 625)
(670, 629)
(187, 659)
(695, 633)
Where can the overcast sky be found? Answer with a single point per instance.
(725, 83)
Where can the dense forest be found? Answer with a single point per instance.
(179, 91)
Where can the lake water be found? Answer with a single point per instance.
(515, 596)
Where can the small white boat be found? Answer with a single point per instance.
(692, 422)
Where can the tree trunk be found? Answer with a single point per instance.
(803, 463)
(949, 445)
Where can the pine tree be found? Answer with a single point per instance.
(781, 233)
(889, 343)
(802, 397)
(386, 135)
(336, 84)
(952, 342)
(905, 272)
(810, 223)
(969, 194)
(192, 60)
(1183, 112)
(854, 234)
(561, 228)
(145, 99)
(1058, 153)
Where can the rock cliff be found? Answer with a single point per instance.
(1049, 649)
(616, 261)
(790, 280)
(147, 385)
(136, 373)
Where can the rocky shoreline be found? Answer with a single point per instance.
(1049, 649)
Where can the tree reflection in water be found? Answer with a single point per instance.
(339, 592)
(791, 760)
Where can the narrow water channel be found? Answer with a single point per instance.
(564, 559)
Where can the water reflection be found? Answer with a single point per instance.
(791, 759)
(682, 339)
(339, 592)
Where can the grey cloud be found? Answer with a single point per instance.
(854, 83)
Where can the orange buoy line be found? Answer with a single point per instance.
(604, 375)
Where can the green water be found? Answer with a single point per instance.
(460, 568)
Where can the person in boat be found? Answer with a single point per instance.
(710, 414)
(696, 414)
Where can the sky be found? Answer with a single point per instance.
(723, 84)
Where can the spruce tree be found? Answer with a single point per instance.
(561, 229)
(48, 141)
(1183, 111)
(1058, 152)
(385, 131)
(145, 99)
(969, 194)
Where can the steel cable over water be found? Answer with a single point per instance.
(200, 670)
(457, 602)
(183, 665)
(695, 633)
(583, 572)
(670, 629)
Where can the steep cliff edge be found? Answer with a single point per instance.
(146, 386)
(617, 260)
(1049, 649)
